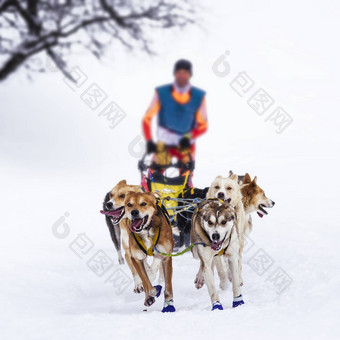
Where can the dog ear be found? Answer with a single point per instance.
(254, 180)
(247, 179)
(230, 173)
(122, 182)
(234, 177)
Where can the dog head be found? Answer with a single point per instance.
(224, 188)
(254, 198)
(139, 209)
(115, 200)
(217, 220)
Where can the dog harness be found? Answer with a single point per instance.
(142, 246)
(139, 240)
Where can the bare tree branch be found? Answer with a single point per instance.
(29, 27)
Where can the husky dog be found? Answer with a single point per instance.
(150, 234)
(215, 230)
(226, 188)
(253, 200)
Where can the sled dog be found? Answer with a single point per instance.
(215, 231)
(150, 234)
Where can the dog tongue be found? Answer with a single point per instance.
(216, 245)
(115, 213)
(259, 214)
(135, 223)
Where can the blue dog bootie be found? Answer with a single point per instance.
(217, 305)
(238, 301)
(159, 290)
(169, 307)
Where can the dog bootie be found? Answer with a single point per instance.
(238, 301)
(159, 290)
(217, 305)
(169, 307)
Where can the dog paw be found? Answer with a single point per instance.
(169, 307)
(217, 306)
(158, 289)
(238, 301)
(138, 288)
(149, 301)
(121, 261)
(199, 282)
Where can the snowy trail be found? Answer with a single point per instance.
(49, 292)
(59, 156)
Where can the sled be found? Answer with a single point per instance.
(157, 178)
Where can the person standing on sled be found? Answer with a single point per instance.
(181, 112)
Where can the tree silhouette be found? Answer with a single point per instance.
(54, 27)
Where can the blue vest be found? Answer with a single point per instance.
(176, 117)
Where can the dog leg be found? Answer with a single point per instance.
(168, 293)
(240, 261)
(150, 291)
(118, 247)
(154, 268)
(199, 280)
(209, 280)
(138, 282)
(221, 271)
(233, 262)
(115, 237)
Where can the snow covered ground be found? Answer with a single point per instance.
(59, 158)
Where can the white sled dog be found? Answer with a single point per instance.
(214, 228)
(253, 200)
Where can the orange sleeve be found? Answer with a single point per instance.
(201, 121)
(149, 114)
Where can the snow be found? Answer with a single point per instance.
(58, 155)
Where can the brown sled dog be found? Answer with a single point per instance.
(150, 234)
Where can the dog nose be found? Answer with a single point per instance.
(215, 237)
(135, 212)
(109, 205)
(220, 195)
(273, 203)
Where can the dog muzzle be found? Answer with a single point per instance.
(137, 224)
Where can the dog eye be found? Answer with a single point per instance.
(210, 223)
(143, 204)
(129, 205)
(224, 222)
(217, 187)
(229, 188)
(122, 196)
